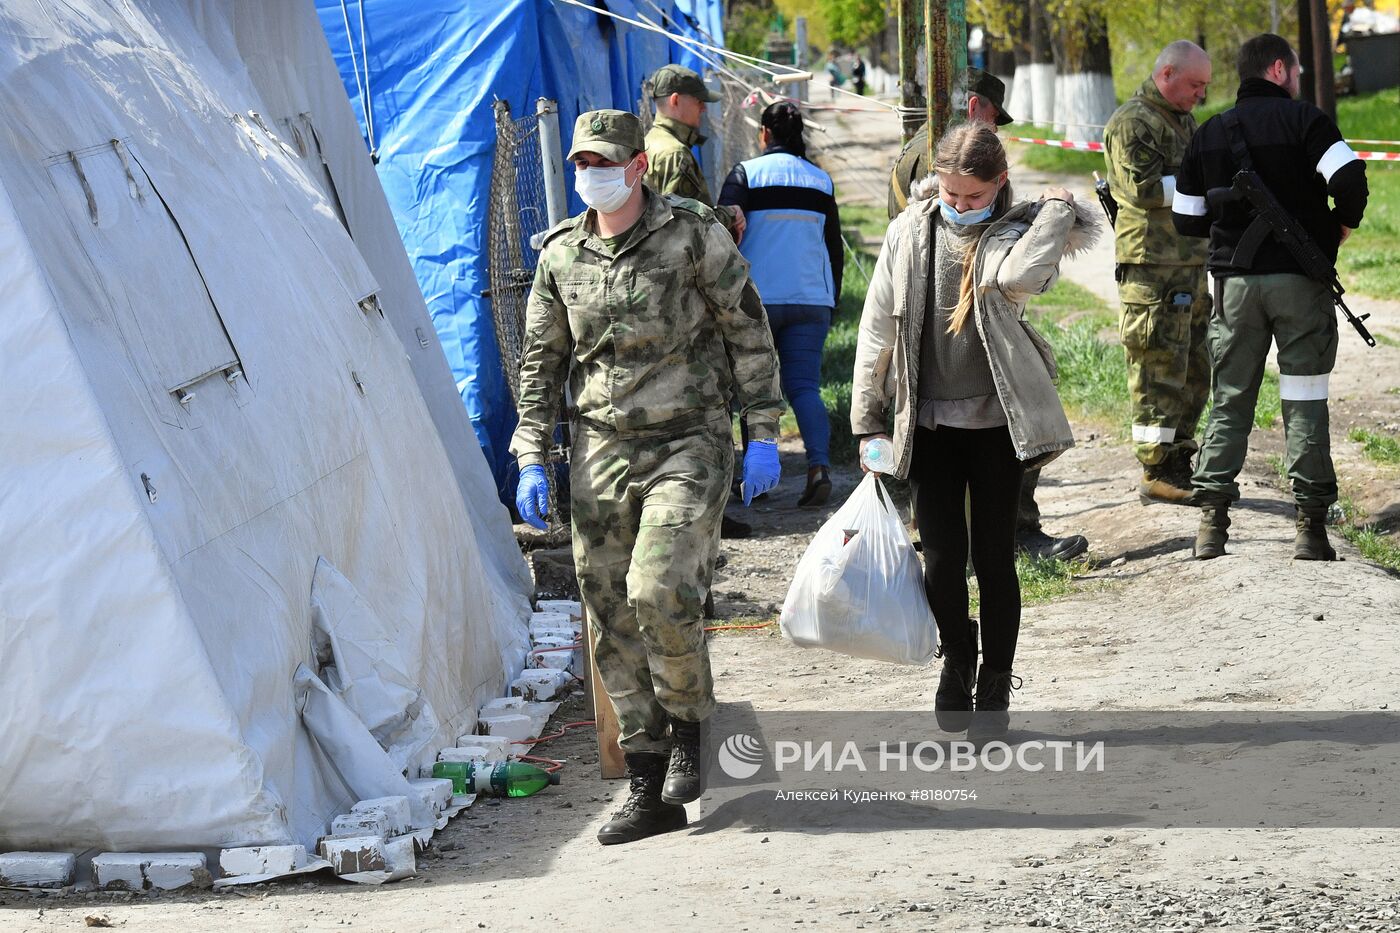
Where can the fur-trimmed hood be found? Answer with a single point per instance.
(1088, 225)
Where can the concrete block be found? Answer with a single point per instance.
(435, 792)
(399, 858)
(543, 683)
(513, 726)
(396, 810)
(495, 743)
(375, 823)
(552, 623)
(37, 869)
(351, 854)
(500, 704)
(569, 607)
(140, 871)
(558, 660)
(261, 860)
(471, 753)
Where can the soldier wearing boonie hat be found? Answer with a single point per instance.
(637, 305)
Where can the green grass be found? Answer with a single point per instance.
(1093, 370)
(839, 355)
(1041, 580)
(1377, 544)
(1379, 448)
(1049, 158)
(1386, 340)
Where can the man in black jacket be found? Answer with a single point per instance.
(1262, 293)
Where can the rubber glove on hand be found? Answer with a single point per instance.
(761, 469)
(532, 496)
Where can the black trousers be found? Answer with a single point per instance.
(948, 466)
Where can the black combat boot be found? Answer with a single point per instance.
(685, 778)
(952, 704)
(1213, 531)
(992, 721)
(643, 813)
(1311, 542)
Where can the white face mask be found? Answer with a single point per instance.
(603, 189)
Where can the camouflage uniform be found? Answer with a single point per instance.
(652, 339)
(1161, 277)
(672, 169)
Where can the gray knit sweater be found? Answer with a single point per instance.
(955, 379)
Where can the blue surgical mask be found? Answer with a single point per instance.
(965, 218)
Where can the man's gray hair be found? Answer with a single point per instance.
(1178, 55)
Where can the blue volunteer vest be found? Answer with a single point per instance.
(785, 241)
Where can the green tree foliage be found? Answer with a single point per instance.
(747, 25)
(849, 22)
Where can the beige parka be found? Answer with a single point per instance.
(1017, 258)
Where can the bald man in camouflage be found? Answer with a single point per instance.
(1161, 274)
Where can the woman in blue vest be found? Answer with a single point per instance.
(793, 245)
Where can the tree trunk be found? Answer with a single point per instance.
(1040, 74)
(1084, 97)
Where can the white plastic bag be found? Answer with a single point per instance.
(859, 588)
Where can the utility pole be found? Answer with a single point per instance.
(799, 55)
(945, 37)
(911, 95)
(1324, 76)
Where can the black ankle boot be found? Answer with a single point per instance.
(685, 778)
(643, 813)
(992, 721)
(952, 704)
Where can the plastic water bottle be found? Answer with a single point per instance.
(879, 456)
(501, 779)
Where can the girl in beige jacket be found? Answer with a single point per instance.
(943, 344)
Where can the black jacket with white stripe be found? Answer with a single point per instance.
(1299, 154)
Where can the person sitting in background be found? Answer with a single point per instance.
(943, 341)
(793, 245)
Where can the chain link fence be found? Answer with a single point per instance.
(516, 218)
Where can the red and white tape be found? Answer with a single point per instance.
(1058, 143)
(1098, 147)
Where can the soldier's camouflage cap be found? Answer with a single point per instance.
(616, 135)
(678, 79)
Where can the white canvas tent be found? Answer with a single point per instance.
(232, 449)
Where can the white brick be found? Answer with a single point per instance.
(552, 623)
(558, 660)
(351, 854)
(37, 869)
(261, 860)
(167, 871)
(501, 704)
(137, 871)
(119, 870)
(435, 792)
(374, 823)
(569, 607)
(471, 753)
(396, 809)
(494, 743)
(544, 683)
(399, 858)
(513, 726)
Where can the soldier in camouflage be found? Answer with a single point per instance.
(1161, 274)
(681, 97)
(636, 304)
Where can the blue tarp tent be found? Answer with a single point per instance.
(432, 70)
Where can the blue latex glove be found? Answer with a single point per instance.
(761, 470)
(532, 496)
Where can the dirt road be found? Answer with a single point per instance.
(1152, 629)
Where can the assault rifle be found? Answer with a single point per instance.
(1106, 199)
(1270, 217)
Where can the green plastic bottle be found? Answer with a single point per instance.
(501, 779)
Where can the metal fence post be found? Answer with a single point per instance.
(552, 160)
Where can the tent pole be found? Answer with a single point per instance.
(552, 159)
